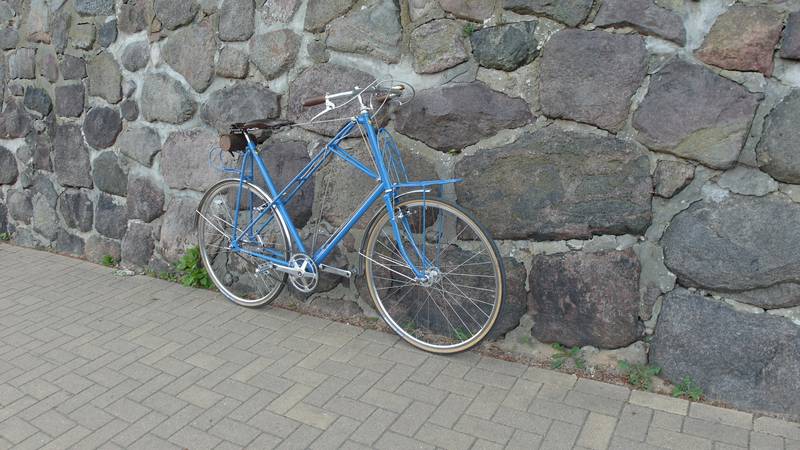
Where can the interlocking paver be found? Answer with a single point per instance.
(634, 422)
(194, 439)
(597, 430)
(484, 429)
(412, 418)
(716, 431)
(765, 441)
(660, 402)
(91, 360)
(350, 408)
(675, 440)
(561, 435)
(311, 415)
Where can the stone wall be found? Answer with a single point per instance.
(637, 160)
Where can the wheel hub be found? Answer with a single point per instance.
(432, 276)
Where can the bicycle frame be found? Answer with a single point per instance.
(385, 189)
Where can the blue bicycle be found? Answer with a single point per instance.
(434, 274)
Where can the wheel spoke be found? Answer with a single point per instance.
(451, 308)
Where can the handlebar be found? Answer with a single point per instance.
(387, 93)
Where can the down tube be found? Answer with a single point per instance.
(326, 249)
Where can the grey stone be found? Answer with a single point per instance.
(41, 146)
(476, 10)
(20, 206)
(694, 113)
(59, 29)
(590, 76)
(274, 52)
(572, 13)
(736, 244)
(110, 219)
(73, 67)
(140, 144)
(47, 63)
(145, 198)
(174, 14)
(421, 11)
(135, 56)
(9, 37)
(45, 220)
(107, 34)
(129, 110)
(37, 22)
(236, 20)
(790, 48)
(184, 159)
(459, 115)
(572, 293)
(232, 63)
(178, 228)
(101, 126)
(280, 11)
(82, 35)
(6, 12)
(109, 176)
(505, 47)
(3, 218)
(135, 15)
(22, 64)
(70, 99)
(373, 30)
(77, 209)
(8, 167)
(644, 16)
(671, 177)
(747, 181)
(515, 303)
(190, 51)
(284, 160)
(778, 150)
(240, 102)
(41, 186)
(318, 52)
(750, 368)
(542, 187)
(15, 122)
(105, 79)
(37, 99)
(98, 247)
(94, 7)
(320, 12)
(165, 100)
(69, 243)
(438, 45)
(138, 244)
(71, 157)
(317, 80)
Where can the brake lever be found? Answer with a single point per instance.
(329, 106)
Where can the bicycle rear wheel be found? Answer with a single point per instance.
(458, 303)
(242, 278)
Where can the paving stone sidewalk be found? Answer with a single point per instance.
(92, 360)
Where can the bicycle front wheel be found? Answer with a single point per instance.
(243, 278)
(457, 302)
